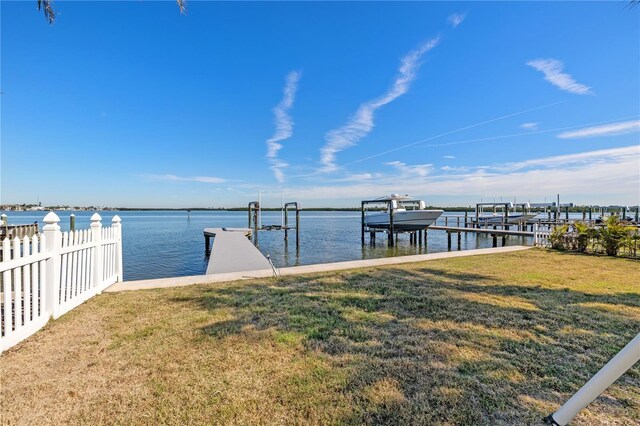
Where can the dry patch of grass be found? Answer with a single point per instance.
(501, 339)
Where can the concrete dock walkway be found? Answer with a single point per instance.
(233, 252)
(299, 270)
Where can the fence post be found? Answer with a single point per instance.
(53, 244)
(96, 230)
(118, 227)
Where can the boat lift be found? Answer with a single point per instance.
(505, 207)
(389, 202)
(253, 213)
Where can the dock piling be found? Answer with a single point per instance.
(391, 228)
(286, 221)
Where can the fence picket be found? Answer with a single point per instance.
(17, 286)
(6, 290)
(74, 271)
(83, 270)
(26, 306)
(110, 261)
(33, 291)
(36, 248)
(44, 278)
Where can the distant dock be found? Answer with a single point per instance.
(233, 251)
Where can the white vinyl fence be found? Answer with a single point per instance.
(47, 275)
(541, 237)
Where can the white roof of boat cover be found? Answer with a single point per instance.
(396, 197)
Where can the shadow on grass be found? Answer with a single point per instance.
(426, 345)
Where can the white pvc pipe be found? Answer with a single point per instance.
(615, 368)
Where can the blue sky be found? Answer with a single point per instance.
(132, 104)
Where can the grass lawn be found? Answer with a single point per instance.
(499, 339)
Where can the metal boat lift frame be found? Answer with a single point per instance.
(296, 206)
(253, 212)
(386, 200)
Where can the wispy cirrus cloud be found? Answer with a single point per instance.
(611, 129)
(581, 159)
(284, 125)
(449, 157)
(552, 70)
(456, 19)
(609, 176)
(175, 178)
(361, 124)
(529, 126)
(411, 170)
(455, 169)
(358, 177)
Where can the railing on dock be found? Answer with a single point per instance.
(537, 230)
(46, 275)
(19, 231)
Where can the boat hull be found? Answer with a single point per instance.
(410, 220)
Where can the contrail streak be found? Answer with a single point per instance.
(482, 123)
(490, 138)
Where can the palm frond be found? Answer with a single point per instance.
(47, 8)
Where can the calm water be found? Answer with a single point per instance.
(163, 244)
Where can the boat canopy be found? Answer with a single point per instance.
(395, 197)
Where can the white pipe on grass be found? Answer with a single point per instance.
(615, 368)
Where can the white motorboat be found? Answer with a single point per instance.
(408, 214)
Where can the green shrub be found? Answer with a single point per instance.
(631, 241)
(557, 238)
(585, 234)
(613, 234)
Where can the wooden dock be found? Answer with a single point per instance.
(232, 251)
(20, 231)
(494, 233)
